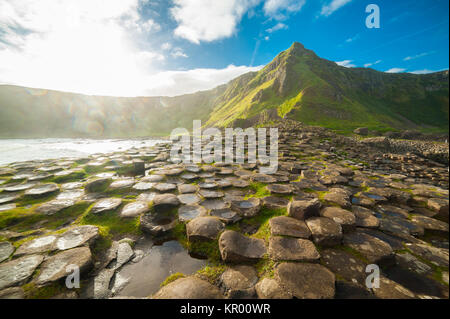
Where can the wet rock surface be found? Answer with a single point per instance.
(335, 205)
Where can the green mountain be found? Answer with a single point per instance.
(297, 85)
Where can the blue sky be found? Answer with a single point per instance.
(155, 47)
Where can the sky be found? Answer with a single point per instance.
(173, 47)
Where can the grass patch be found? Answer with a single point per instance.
(32, 291)
(212, 272)
(172, 278)
(265, 267)
(259, 189)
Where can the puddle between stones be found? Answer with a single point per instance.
(160, 261)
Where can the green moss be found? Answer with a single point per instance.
(265, 267)
(72, 177)
(212, 272)
(353, 252)
(259, 190)
(172, 278)
(32, 291)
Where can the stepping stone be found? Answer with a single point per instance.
(8, 198)
(288, 226)
(341, 216)
(304, 209)
(77, 236)
(226, 215)
(96, 184)
(204, 228)
(239, 183)
(157, 224)
(6, 249)
(325, 232)
(237, 248)
(247, 208)
(306, 281)
(19, 187)
(152, 178)
(187, 188)
(106, 205)
(42, 190)
(373, 249)
(189, 212)
(189, 199)
(17, 271)
(263, 178)
(275, 202)
(74, 195)
(134, 209)
(408, 261)
(7, 207)
(36, 246)
(365, 217)
(163, 202)
(437, 256)
(239, 281)
(188, 288)
(144, 186)
(55, 267)
(391, 290)
(54, 206)
(280, 189)
(211, 194)
(146, 197)
(122, 183)
(268, 288)
(345, 265)
(430, 223)
(71, 186)
(214, 204)
(165, 187)
(285, 248)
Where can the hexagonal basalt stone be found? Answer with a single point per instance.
(391, 290)
(158, 224)
(146, 197)
(395, 225)
(247, 208)
(8, 198)
(106, 205)
(122, 183)
(288, 226)
(237, 248)
(285, 248)
(430, 223)
(72, 186)
(189, 199)
(54, 206)
(97, 184)
(306, 281)
(165, 187)
(437, 256)
(239, 183)
(187, 188)
(275, 202)
(214, 204)
(365, 217)
(325, 232)
(373, 249)
(189, 288)
(338, 196)
(263, 178)
(17, 271)
(19, 187)
(344, 264)
(341, 216)
(163, 202)
(189, 212)
(226, 215)
(134, 209)
(204, 228)
(304, 209)
(54, 268)
(144, 186)
(210, 185)
(77, 236)
(152, 178)
(6, 249)
(408, 261)
(211, 194)
(42, 190)
(268, 288)
(280, 189)
(239, 281)
(36, 246)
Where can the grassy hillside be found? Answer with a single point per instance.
(297, 85)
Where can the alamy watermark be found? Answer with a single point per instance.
(209, 146)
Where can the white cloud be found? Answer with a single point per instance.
(86, 46)
(278, 26)
(178, 53)
(205, 20)
(395, 70)
(346, 63)
(266, 38)
(334, 5)
(276, 8)
(166, 46)
(372, 63)
(424, 71)
(408, 58)
(170, 83)
(356, 37)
